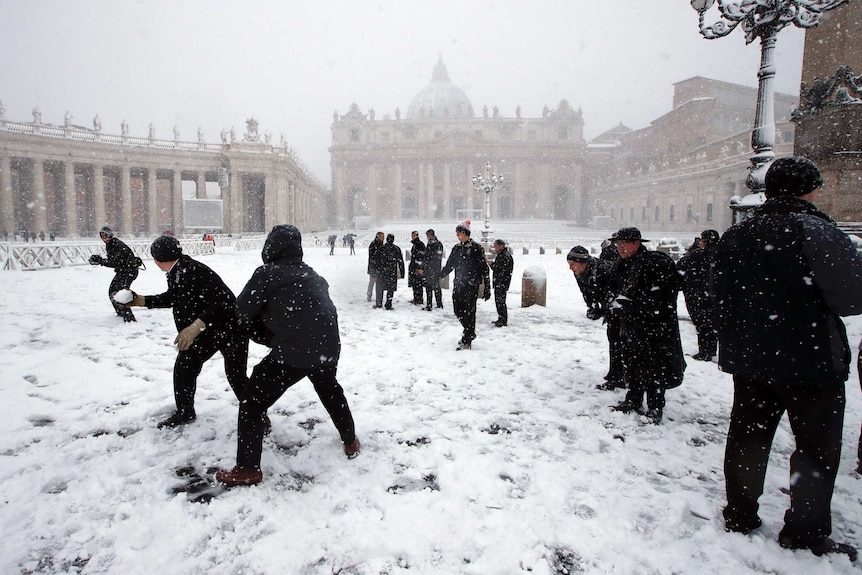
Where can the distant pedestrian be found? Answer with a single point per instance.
(467, 260)
(389, 268)
(433, 262)
(502, 267)
(287, 306)
(415, 273)
(783, 279)
(696, 268)
(125, 264)
(595, 278)
(351, 242)
(332, 239)
(375, 244)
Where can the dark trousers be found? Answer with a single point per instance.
(418, 290)
(816, 415)
(233, 347)
(464, 306)
(122, 280)
(269, 380)
(500, 302)
(702, 313)
(615, 354)
(637, 367)
(432, 288)
(379, 288)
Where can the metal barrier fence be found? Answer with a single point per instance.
(25, 257)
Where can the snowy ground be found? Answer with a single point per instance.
(505, 459)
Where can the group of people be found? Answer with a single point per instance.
(208, 317)
(768, 295)
(426, 268)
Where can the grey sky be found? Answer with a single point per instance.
(214, 63)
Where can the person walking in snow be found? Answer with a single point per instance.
(467, 260)
(389, 268)
(502, 268)
(125, 264)
(594, 277)
(286, 307)
(415, 271)
(696, 267)
(204, 311)
(783, 279)
(433, 262)
(375, 244)
(647, 285)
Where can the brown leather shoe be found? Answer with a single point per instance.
(351, 449)
(239, 476)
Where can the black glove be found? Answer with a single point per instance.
(487, 295)
(619, 307)
(96, 260)
(594, 313)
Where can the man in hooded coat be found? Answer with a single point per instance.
(389, 267)
(286, 306)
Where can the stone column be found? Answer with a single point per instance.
(153, 201)
(71, 200)
(397, 190)
(420, 192)
(270, 200)
(201, 190)
(126, 195)
(40, 215)
(469, 190)
(447, 190)
(6, 201)
(429, 195)
(235, 222)
(99, 215)
(177, 202)
(338, 176)
(373, 199)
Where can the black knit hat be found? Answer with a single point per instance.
(107, 231)
(578, 254)
(793, 176)
(166, 249)
(709, 237)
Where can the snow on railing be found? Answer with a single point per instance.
(25, 257)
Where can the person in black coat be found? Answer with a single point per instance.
(204, 311)
(647, 285)
(502, 268)
(286, 306)
(125, 265)
(389, 268)
(595, 278)
(696, 267)
(783, 279)
(415, 271)
(433, 262)
(467, 260)
(375, 244)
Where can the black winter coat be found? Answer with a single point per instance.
(389, 265)
(596, 284)
(433, 257)
(417, 257)
(502, 268)
(467, 259)
(120, 257)
(372, 251)
(648, 286)
(782, 279)
(287, 305)
(195, 291)
(696, 270)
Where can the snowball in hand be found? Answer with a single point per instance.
(124, 296)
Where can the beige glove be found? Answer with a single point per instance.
(138, 300)
(187, 336)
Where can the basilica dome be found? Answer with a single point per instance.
(440, 98)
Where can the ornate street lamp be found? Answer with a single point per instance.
(488, 184)
(762, 19)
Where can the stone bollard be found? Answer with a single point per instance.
(526, 251)
(534, 287)
(559, 251)
(541, 250)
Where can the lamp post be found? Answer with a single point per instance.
(762, 19)
(487, 184)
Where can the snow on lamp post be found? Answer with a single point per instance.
(487, 184)
(762, 19)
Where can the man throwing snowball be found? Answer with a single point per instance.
(204, 311)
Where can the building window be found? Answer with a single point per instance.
(643, 214)
(354, 135)
(563, 133)
(709, 212)
(689, 213)
(657, 213)
(670, 214)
